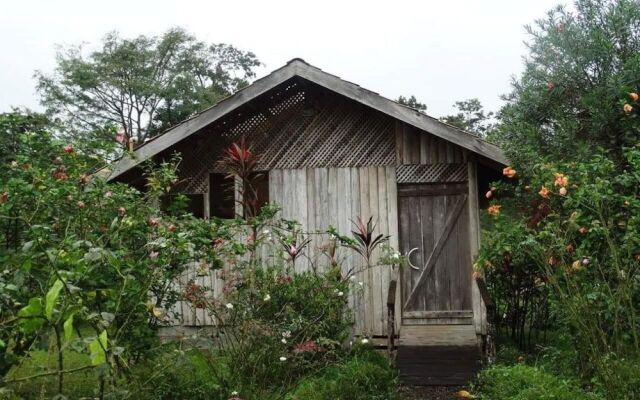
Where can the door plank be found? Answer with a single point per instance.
(451, 220)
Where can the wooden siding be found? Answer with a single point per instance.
(323, 197)
(414, 146)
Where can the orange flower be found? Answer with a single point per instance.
(583, 230)
(627, 108)
(561, 180)
(633, 96)
(509, 172)
(544, 192)
(494, 209)
(552, 261)
(569, 248)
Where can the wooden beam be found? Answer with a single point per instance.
(438, 314)
(437, 249)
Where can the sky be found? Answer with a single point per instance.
(440, 51)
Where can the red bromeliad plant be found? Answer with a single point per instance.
(240, 162)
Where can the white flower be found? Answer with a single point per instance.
(352, 278)
(283, 340)
(340, 294)
(364, 341)
(267, 297)
(286, 334)
(361, 283)
(229, 306)
(265, 232)
(234, 393)
(396, 256)
(351, 343)
(283, 358)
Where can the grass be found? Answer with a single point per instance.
(79, 384)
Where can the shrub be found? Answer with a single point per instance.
(522, 382)
(365, 376)
(177, 374)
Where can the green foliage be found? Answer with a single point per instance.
(78, 251)
(412, 102)
(279, 327)
(365, 376)
(576, 237)
(522, 382)
(471, 117)
(143, 85)
(179, 374)
(580, 68)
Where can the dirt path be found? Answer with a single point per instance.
(428, 392)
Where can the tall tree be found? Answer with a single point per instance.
(581, 65)
(142, 85)
(470, 117)
(412, 102)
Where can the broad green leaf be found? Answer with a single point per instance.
(2, 344)
(52, 297)
(68, 328)
(97, 349)
(32, 311)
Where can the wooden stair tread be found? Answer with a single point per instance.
(438, 365)
(438, 335)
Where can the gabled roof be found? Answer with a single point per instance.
(299, 68)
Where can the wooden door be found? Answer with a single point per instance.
(434, 233)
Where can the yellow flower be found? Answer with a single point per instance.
(544, 192)
(463, 394)
(576, 265)
(494, 209)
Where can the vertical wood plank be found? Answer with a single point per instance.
(479, 310)
(394, 240)
(399, 143)
(383, 270)
(353, 260)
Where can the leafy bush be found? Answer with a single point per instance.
(578, 237)
(522, 382)
(366, 376)
(178, 374)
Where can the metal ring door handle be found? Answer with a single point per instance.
(409, 259)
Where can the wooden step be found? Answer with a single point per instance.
(437, 355)
(438, 335)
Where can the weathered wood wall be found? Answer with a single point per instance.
(333, 188)
(321, 197)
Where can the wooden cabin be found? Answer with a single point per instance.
(332, 151)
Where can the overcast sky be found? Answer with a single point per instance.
(440, 51)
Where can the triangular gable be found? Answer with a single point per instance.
(299, 68)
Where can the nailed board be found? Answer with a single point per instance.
(434, 228)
